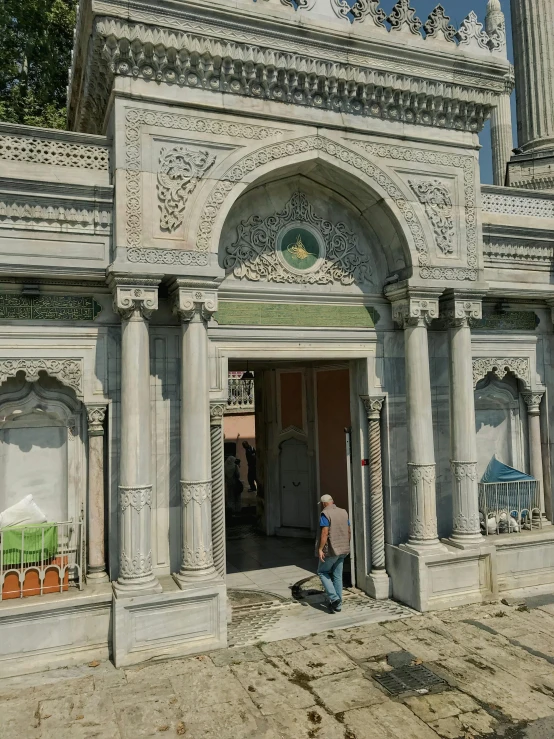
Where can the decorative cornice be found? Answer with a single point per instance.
(327, 75)
(168, 256)
(56, 216)
(67, 371)
(518, 251)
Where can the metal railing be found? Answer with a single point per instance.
(510, 507)
(43, 559)
(241, 396)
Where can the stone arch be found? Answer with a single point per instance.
(68, 372)
(499, 368)
(277, 156)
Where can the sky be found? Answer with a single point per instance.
(458, 10)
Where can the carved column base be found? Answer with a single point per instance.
(423, 514)
(466, 530)
(197, 556)
(97, 574)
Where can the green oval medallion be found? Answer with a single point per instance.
(299, 248)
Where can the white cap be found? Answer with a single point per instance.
(326, 499)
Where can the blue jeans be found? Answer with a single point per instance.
(330, 574)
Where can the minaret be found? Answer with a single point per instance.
(501, 118)
(533, 32)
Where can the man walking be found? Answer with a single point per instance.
(251, 462)
(332, 549)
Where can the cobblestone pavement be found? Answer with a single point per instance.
(496, 663)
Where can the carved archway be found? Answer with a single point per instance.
(68, 372)
(221, 197)
(499, 368)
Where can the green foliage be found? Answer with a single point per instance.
(35, 55)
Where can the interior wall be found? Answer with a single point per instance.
(333, 416)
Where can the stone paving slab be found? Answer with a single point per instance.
(498, 671)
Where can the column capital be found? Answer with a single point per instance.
(194, 299)
(373, 405)
(217, 411)
(533, 401)
(459, 309)
(95, 418)
(134, 298)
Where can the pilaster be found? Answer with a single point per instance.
(533, 402)
(96, 569)
(378, 575)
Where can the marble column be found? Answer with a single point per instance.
(502, 138)
(96, 569)
(217, 411)
(195, 306)
(374, 406)
(414, 314)
(533, 402)
(458, 311)
(533, 24)
(135, 299)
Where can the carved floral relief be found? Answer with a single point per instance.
(296, 246)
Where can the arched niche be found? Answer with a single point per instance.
(41, 447)
(500, 422)
(342, 213)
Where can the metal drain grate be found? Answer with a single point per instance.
(408, 678)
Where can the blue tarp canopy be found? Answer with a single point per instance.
(497, 471)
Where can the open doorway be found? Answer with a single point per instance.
(285, 446)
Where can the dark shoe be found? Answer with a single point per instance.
(336, 606)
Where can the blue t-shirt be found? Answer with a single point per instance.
(324, 521)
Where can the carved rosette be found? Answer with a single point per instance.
(191, 302)
(423, 505)
(459, 313)
(135, 497)
(466, 515)
(415, 312)
(96, 415)
(135, 300)
(533, 402)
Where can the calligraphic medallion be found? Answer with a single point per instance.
(300, 247)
